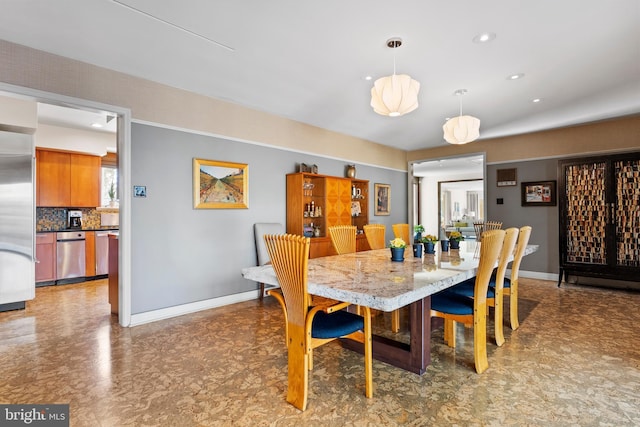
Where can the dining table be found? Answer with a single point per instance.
(372, 279)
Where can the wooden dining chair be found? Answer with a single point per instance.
(471, 311)
(495, 289)
(375, 234)
(511, 283)
(311, 326)
(343, 238)
(402, 231)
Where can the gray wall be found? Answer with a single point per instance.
(542, 219)
(181, 254)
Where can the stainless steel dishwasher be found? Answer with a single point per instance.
(102, 252)
(71, 249)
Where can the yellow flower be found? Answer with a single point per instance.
(397, 243)
(430, 238)
(456, 235)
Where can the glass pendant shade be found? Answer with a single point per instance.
(395, 95)
(461, 129)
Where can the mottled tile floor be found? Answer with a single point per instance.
(575, 361)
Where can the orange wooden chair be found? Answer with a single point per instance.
(343, 238)
(311, 326)
(375, 234)
(471, 311)
(511, 283)
(495, 290)
(402, 231)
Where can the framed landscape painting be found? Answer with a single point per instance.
(220, 185)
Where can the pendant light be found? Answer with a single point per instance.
(397, 94)
(461, 129)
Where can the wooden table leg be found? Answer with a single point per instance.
(413, 357)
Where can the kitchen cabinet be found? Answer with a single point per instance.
(599, 216)
(90, 253)
(67, 179)
(316, 202)
(46, 257)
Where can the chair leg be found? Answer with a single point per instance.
(368, 354)
(513, 302)
(395, 320)
(261, 291)
(497, 316)
(298, 358)
(450, 332)
(480, 339)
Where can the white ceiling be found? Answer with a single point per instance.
(307, 60)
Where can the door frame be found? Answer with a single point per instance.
(124, 178)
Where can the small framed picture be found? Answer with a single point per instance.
(139, 191)
(539, 193)
(383, 199)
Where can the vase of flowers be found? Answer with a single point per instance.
(429, 243)
(454, 239)
(397, 247)
(418, 230)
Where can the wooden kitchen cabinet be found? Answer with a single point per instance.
(46, 257)
(90, 253)
(67, 179)
(325, 201)
(53, 175)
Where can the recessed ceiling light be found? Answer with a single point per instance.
(484, 37)
(516, 76)
(536, 100)
(367, 78)
(96, 125)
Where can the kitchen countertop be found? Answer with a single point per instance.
(77, 229)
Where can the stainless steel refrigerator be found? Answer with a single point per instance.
(17, 220)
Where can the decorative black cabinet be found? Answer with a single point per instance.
(600, 216)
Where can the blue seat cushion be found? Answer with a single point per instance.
(336, 324)
(492, 283)
(467, 288)
(450, 303)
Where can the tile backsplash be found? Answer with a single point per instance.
(53, 219)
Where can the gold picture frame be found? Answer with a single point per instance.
(220, 185)
(383, 199)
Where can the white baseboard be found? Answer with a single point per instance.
(179, 310)
(537, 275)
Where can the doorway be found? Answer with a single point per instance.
(123, 118)
(427, 176)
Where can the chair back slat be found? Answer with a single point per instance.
(492, 241)
(375, 234)
(511, 235)
(523, 241)
(289, 256)
(343, 238)
(402, 231)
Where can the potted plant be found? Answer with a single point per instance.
(429, 243)
(112, 194)
(397, 247)
(418, 230)
(454, 239)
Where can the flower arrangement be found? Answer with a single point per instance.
(429, 238)
(456, 236)
(397, 243)
(418, 229)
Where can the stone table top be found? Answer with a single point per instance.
(371, 279)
